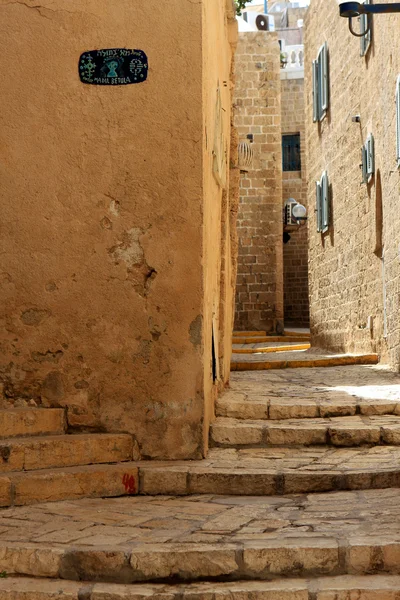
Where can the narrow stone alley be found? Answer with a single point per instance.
(298, 498)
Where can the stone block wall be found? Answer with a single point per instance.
(355, 266)
(259, 291)
(295, 252)
(113, 218)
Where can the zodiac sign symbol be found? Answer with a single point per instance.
(112, 66)
(88, 67)
(136, 67)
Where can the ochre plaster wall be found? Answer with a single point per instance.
(103, 252)
(347, 281)
(259, 291)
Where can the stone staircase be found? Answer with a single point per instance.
(40, 461)
(253, 521)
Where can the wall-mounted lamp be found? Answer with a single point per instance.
(294, 213)
(348, 10)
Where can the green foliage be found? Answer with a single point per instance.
(3, 574)
(240, 5)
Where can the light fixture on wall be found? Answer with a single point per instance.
(294, 213)
(348, 10)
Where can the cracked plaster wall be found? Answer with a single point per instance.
(104, 285)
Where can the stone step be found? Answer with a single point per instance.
(272, 349)
(247, 406)
(345, 587)
(335, 431)
(20, 422)
(262, 559)
(269, 338)
(159, 539)
(71, 483)
(279, 470)
(286, 360)
(27, 454)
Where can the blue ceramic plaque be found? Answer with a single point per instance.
(113, 66)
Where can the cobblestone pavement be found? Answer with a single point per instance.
(205, 519)
(358, 381)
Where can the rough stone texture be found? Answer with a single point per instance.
(259, 291)
(294, 185)
(63, 451)
(108, 303)
(31, 421)
(347, 281)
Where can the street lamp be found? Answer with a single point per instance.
(348, 10)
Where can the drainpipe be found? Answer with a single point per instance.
(265, 7)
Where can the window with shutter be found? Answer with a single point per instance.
(291, 157)
(325, 202)
(398, 120)
(315, 90)
(365, 39)
(364, 165)
(318, 206)
(370, 151)
(320, 81)
(324, 80)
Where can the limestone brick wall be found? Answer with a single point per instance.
(259, 291)
(112, 219)
(295, 252)
(349, 280)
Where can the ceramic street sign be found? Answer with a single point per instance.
(113, 66)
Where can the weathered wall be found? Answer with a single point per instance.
(259, 291)
(104, 302)
(347, 282)
(219, 40)
(295, 252)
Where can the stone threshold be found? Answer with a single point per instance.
(370, 587)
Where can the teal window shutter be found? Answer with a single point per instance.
(315, 90)
(398, 120)
(318, 205)
(325, 202)
(370, 152)
(364, 164)
(365, 39)
(324, 80)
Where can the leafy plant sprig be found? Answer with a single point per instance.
(240, 5)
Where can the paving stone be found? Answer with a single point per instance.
(15, 422)
(294, 556)
(30, 559)
(63, 451)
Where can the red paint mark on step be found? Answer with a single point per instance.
(129, 483)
